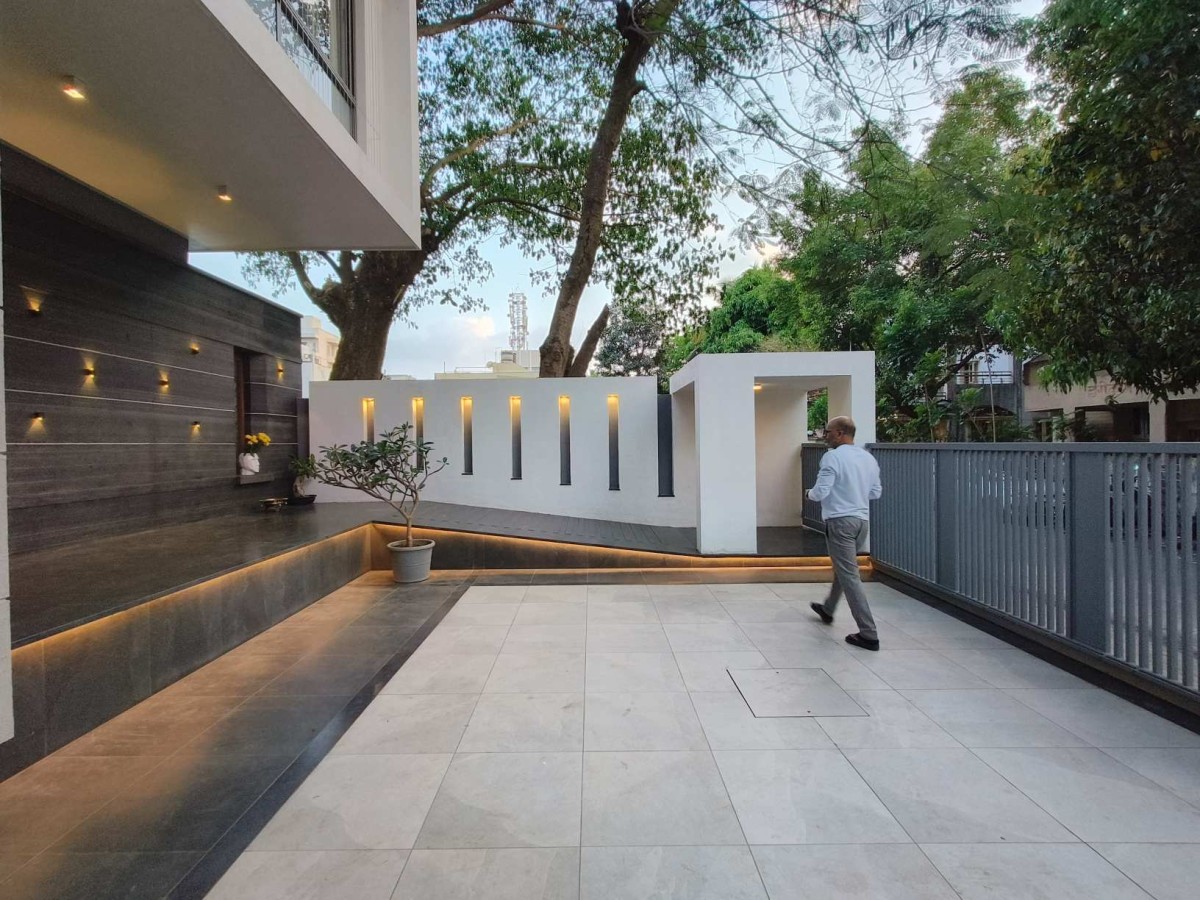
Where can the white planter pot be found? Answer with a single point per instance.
(303, 487)
(248, 462)
(411, 564)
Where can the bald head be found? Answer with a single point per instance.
(839, 430)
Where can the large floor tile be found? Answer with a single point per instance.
(465, 639)
(322, 674)
(621, 612)
(556, 593)
(851, 872)
(409, 723)
(700, 638)
(921, 670)
(502, 593)
(29, 825)
(793, 692)
(686, 873)
(804, 797)
(689, 593)
(739, 591)
(623, 672)
(60, 777)
(1097, 797)
(545, 639)
(655, 798)
(1176, 770)
(1030, 872)
(891, 723)
(642, 721)
(155, 727)
(514, 874)
(482, 614)
(729, 724)
(1010, 667)
(312, 875)
(627, 639)
(525, 723)
(709, 671)
(1168, 871)
(506, 800)
(991, 718)
(442, 673)
(691, 612)
(804, 591)
(234, 676)
(1105, 720)
(89, 876)
(529, 672)
(268, 726)
(552, 612)
(767, 609)
(951, 796)
(617, 592)
(357, 803)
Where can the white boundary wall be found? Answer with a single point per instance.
(336, 416)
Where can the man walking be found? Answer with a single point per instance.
(848, 481)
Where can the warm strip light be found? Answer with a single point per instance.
(74, 88)
(758, 387)
(368, 417)
(223, 194)
(468, 434)
(514, 419)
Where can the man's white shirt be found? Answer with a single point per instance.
(848, 481)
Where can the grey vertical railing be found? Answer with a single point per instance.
(1095, 544)
(810, 466)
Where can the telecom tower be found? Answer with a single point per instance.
(518, 322)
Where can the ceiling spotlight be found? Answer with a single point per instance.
(223, 194)
(74, 88)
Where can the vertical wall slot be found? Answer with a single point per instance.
(564, 439)
(467, 428)
(514, 418)
(418, 419)
(614, 456)
(368, 415)
(666, 448)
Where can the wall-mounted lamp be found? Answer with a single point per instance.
(195, 426)
(38, 417)
(89, 371)
(195, 348)
(758, 387)
(223, 194)
(74, 87)
(279, 369)
(164, 381)
(33, 300)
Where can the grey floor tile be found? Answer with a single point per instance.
(1009, 667)
(553, 593)
(735, 591)
(804, 797)
(556, 612)
(991, 718)
(621, 612)
(702, 638)
(506, 800)
(1167, 871)
(793, 692)
(891, 722)
(1105, 720)
(409, 723)
(920, 670)
(627, 639)
(81, 778)
(520, 672)
(617, 592)
(686, 873)
(156, 727)
(357, 803)
(521, 874)
(546, 638)
(803, 591)
(655, 798)
(642, 721)
(482, 614)
(312, 875)
(1176, 770)
(494, 594)
(234, 676)
(951, 796)
(442, 673)
(1030, 872)
(767, 609)
(321, 674)
(688, 593)
(851, 872)
(525, 723)
(847, 672)
(621, 672)
(88, 876)
(709, 671)
(1097, 797)
(682, 611)
(29, 825)
(730, 725)
(268, 726)
(465, 639)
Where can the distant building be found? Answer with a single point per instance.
(511, 364)
(318, 349)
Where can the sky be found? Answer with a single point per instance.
(441, 339)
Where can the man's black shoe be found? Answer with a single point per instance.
(859, 641)
(819, 609)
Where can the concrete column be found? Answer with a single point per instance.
(1158, 422)
(6, 681)
(781, 427)
(854, 397)
(727, 514)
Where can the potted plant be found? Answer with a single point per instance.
(393, 469)
(304, 472)
(248, 458)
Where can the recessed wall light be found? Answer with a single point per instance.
(38, 417)
(33, 300)
(195, 426)
(758, 387)
(89, 371)
(164, 381)
(223, 194)
(195, 348)
(74, 87)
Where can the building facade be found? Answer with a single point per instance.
(318, 350)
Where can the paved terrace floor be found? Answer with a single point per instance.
(587, 740)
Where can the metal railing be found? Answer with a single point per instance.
(1096, 545)
(810, 466)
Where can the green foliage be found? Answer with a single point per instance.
(393, 469)
(1120, 186)
(818, 411)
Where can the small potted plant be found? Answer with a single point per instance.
(251, 444)
(304, 472)
(393, 469)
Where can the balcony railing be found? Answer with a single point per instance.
(1095, 546)
(318, 37)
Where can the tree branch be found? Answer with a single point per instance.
(482, 11)
(583, 358)
(467, 150)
